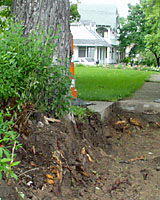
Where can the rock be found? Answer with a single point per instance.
(40, 124)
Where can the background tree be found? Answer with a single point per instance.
(74, 14)
(142, 28)
(151, 9)
(132, 31)
(5, 12)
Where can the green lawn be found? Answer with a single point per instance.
(93, 83)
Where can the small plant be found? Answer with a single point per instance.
(81, 113)
(8, 144)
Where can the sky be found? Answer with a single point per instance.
(121, 4)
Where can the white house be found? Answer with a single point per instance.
(95, 35)
(88, 43)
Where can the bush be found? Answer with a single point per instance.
(28, 76)
(27, 71)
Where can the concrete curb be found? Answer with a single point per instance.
(149, 111)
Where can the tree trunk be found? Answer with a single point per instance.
(158, 62)
(157, 59)
(48, 14)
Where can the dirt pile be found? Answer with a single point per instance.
(116, 160)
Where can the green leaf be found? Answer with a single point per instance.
(7, 153)
(1, 152)
(5, 160)
(14, 164)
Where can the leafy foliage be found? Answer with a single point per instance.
(74, 14)
(81, 113)
(152, 38)
(5, 13)
(142, 29)
(132, 30)
(27, 72)
(8, 142)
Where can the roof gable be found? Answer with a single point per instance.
(101, 14)
(82, 36)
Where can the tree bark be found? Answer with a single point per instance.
(157, 59)
(47, 14)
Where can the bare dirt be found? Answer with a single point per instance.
(118, 160)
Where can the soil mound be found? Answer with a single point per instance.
(90, 160)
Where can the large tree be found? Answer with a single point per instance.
(51, 15)
(141, 30)
(151, 9)
(132, 31)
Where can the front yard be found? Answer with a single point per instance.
(104, 84)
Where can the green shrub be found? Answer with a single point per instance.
(27, 71)
(27, 76)
(8, 143)
(81, 113)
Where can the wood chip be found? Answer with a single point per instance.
(48, 176)
(89, 158)
(47, 120)
(83, 151)
(138, 158)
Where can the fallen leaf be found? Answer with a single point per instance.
(120, 122)
(89, 158)
(46, 121)
(120, 125)
(128, 132)
(158, 124)
(50, 181)
(33, 149)
(32, 164)
(138, 158)
(83, 151)
(134, 122)
(85, 174)
(48, 176)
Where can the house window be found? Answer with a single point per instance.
(100, 31)
(90, 52)
(106, 34)
(82, 52)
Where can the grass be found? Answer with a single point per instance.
(102, 84)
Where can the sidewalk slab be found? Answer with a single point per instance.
(104, 108)
(148, 110)
(155, 78)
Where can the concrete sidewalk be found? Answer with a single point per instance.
(142, 101)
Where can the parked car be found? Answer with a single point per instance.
(85, 61)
